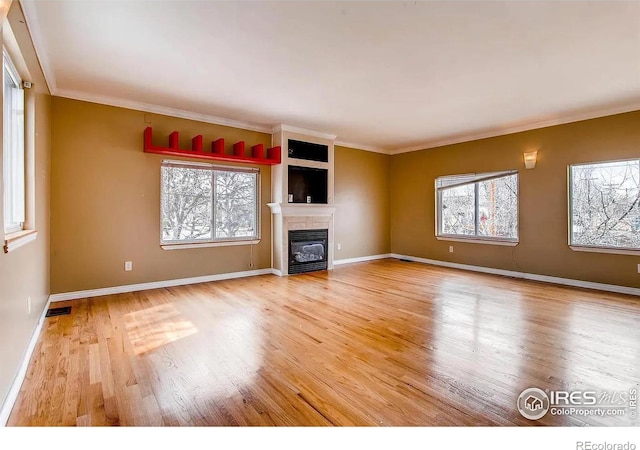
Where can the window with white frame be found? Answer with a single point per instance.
(478, 206)
(605, 204)
(203, 203)
(13, 148)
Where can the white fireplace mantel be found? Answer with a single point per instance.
(302, 209)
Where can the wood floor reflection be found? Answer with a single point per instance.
(380, 343)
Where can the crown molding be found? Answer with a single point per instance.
(367, 148)
(575, 117)
(173, 112)
(157, 109)
(39, 43)
(451, 140)
(291, 129)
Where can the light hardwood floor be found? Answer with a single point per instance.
(380, 343)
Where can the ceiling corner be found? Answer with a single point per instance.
(29, 11)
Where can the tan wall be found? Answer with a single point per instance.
(543, 216)
(24, 272)
(105, 200)
(362, 198)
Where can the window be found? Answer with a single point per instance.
(478, 206)
(202, 203)
(604, 205)
(13, 148)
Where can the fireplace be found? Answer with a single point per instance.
(307, 250)
(302, 195)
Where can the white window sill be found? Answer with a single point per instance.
(207, 244)
(478, 241)
(609, 250)
(16, 240)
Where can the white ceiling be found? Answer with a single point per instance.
(380, 75)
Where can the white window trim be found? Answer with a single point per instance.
(16, 240)
(592, 248)
(17, 236)
(609, 250)
(476, 239)
(15, 228)
(220, 242)
(208, 244)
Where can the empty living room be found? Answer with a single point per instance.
(413, 220)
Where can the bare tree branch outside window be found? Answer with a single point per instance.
(186, 204)
(605, 204)
(458, 210)
(202, 204)
(235, 204)
(485, 208)
(498, 208)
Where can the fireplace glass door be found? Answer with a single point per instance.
(307, 250)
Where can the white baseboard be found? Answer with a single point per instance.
(525, 275)
(155, 285)
(276, 272)
(338, 262)
(12, 396)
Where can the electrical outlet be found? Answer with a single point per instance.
(451, 249)
(339, 245)
(128, 265)
(28, 305)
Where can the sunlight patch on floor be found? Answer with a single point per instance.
(154, 327)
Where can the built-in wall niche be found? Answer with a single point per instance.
(307, 182)
(308, 151)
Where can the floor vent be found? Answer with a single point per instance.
(405, 260)
(59, 311)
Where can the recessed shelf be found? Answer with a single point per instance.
(308, 151)
(307, 182)
(273, 155)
